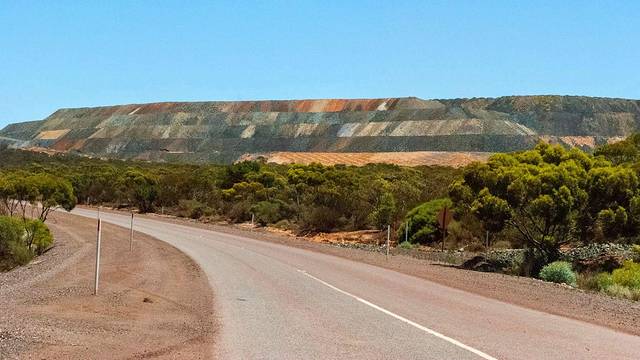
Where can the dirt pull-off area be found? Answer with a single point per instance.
(153, 302)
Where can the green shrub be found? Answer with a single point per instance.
(20, 254)
(269, 212)
(620, 291)
(558, 272)
(320, 218)
(39, 237)
(285, 224)
(635, 253)
(423, 223)
(406, 245)
(193, 209)
(14, 249)
(628, 275)
(11, 231)
(594, 281)
(603, 280)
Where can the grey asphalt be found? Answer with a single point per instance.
(280, 302)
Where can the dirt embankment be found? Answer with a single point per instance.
(152, 302)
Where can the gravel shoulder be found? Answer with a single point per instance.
(154, 302)
(619, 314)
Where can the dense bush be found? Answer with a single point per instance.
(423, 224)
(38, 237)
(406, 245)
(603, 281)
(192, 209)
(628, 275)
(269, 212)
(558, 272)
(21, 240)
(620, 291)
(11, 243)
(509, 260)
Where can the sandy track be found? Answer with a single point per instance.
(48, 310)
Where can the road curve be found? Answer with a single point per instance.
(280, 302)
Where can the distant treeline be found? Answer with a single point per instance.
(306, 198)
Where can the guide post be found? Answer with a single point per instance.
(388, 238)
(97, 275)
(131, 235)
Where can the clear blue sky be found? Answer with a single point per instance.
(57, 54)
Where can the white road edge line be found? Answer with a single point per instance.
(405, 320)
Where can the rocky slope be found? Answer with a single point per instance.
(227, 131)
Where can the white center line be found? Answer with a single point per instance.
(405, 320)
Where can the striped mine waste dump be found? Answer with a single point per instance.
(331, 131)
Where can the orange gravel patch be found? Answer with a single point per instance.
(415, 158)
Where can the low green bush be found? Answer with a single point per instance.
(558, 272)
(14, 250)
(269, 212)
(509, 260)
(603, 281)
(405, 245)
(635, 253)
(595, 281)
(423, 223)
(193, 209)
(21, 240)
(628, 275)
(620, 291)
(39, 238)
(285, 224)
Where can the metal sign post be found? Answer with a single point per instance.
(444, 218)
(97, 276)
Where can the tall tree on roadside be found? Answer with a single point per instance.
(541, 193)
(51, 193)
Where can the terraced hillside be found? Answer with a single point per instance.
(227, 131)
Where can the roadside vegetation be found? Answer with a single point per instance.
(302, 198)
(562, 215)
(26, 200)
(558, 204)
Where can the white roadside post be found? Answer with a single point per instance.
(388, 238)
(406, 231)
(95, 289)
(131, 234)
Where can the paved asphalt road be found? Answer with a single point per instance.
(280, 302)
